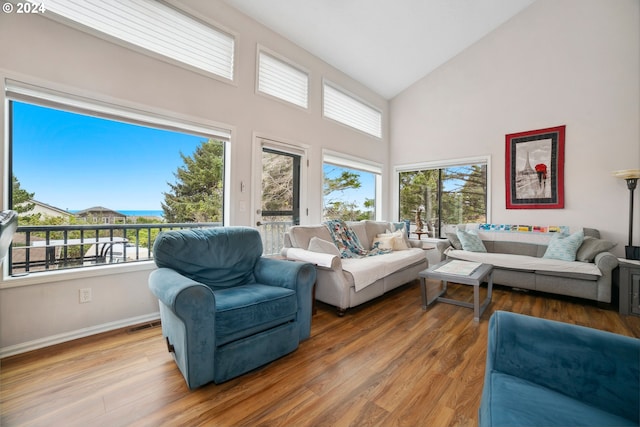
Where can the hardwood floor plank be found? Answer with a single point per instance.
(385, 363)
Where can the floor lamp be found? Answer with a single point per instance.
(631, 176)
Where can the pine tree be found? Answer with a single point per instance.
(197, 194)
(20, 198)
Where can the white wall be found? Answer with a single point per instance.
(40, 51)
(570, 62)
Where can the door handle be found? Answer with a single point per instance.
(258, 224)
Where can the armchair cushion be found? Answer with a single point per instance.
(242, 311)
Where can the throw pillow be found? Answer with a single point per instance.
(564, 247)
(400, 242)
(454, 241)
(320, 245)
(402, 226)
(383, 241)
(592, 247)
(470, 241)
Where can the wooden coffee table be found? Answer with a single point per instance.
(463, 272)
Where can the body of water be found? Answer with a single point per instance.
(141, 212)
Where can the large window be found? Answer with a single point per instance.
(94, 184)
(351, 188)
(441, 196)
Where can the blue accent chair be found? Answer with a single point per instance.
(226, 309)
(546, 373)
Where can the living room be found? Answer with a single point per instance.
(573, 63)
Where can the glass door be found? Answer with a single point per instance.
(280, 197)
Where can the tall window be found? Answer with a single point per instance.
(443, 196)
(351, 189)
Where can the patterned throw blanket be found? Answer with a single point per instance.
(347, 241)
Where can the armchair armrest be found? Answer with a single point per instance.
(594, 366)
(188, 312)
(299, 276)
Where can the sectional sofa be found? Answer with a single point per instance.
(349, 282)
(519, 259)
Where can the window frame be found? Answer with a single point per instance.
(140, 115)
(356, 163)
(440, 164)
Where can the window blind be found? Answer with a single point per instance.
(341, 107)
(282, 80)
(156, 27)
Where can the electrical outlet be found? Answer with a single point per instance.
(85, 295)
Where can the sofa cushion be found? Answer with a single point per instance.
(591, 247)
(317, 244)
(470, 241)
(301, 235)
(454, 241)
(242, 311)
(526, 263)
(564, 247)
(366, 271)
(516, 248)
(518, 402)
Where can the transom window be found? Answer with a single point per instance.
(283, 80)
(342, 107)
(152, 26)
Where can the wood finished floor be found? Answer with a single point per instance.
(387, 363)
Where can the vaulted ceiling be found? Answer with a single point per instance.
(387, 45)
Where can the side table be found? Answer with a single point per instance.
(629, 286)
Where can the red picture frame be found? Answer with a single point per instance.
(534, 169)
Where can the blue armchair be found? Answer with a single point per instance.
(225, 309)
(546, 373)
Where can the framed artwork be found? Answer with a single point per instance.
(534, 169)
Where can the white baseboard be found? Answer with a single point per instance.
(80, 333)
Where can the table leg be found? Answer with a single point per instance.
(476, 303)
(423, 291)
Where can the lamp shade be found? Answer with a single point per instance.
(627, 174)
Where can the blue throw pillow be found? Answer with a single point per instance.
(564, 247)
(470, 241)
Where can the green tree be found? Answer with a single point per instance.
(197, 194)
(21, 198)
(335, 207)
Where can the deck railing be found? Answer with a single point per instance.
(43, 248)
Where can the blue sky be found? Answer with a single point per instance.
(75, 162)
(367, 189)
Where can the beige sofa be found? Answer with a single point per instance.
(348, 282)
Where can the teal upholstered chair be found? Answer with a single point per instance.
(225, 309)
(545, 373)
